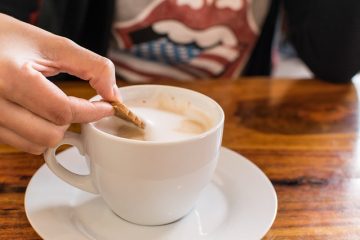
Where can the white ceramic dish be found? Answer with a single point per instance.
(239, 203)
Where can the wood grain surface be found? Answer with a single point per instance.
(302, 133)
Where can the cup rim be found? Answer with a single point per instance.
(141, 142)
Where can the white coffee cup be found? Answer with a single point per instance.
(145, 182)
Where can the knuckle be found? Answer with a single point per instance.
(27, 73)
(26, 70)
(34, 149)
(105, 69)
(64, 42)
(7, 77)
(11, 80)
(60, 45)
(54, 137)
(4, 87)
(63, 115)
(107, 66)
(108, 63)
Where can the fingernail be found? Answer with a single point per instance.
(117, 93)
(104, 107)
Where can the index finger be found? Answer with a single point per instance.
(45, 99)
(78, 61)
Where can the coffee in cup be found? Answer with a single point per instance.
(166, 119)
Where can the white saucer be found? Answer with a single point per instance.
(240, 203)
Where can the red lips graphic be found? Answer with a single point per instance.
(221, 39)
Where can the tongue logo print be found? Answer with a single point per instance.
(185, 39)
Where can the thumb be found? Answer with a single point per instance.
(84, 111)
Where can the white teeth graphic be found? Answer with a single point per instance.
(221, 4)
(227, 53)
(232, 4)
(194, 4)
(211, 66)
(209, 37)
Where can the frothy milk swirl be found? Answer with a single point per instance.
(161, 124)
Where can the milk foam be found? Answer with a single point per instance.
(161, 125)
(167, 126)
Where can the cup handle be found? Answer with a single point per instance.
(83, 182)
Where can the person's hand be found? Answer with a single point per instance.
(34, 113)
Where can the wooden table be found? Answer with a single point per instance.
(302, 133)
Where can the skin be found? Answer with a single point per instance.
(34, 113)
